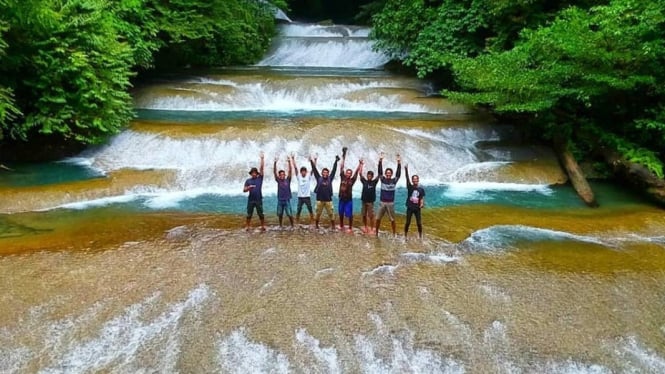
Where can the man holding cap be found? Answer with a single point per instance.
(255, 199)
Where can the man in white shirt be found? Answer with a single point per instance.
(304, 190)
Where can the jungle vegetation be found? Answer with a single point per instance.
(589, 72)
(66, 66)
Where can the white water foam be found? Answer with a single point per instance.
(638, 358)
(501, 237)
(122, 344)
(237, 354)
(325, 358)
(213, 165)
(327, 31)
(283, 98)
(328, 46)
(473, 190)
(96, 203)
(435, 258)
(209, 162)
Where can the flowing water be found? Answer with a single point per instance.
(131, 257)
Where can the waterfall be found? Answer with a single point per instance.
(304, 45)
(319, 89)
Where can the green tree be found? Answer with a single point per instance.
(430, 35)
(596, 75)
(214, 32)
(67, 64)
(590, 71)
(69, 71)
(8, 110)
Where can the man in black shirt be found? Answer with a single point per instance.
(415, 200)
(368, 197)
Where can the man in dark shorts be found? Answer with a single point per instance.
(345, 204)
(324, 191)
(387, 197)
(283, 192)
(255, 198)
(415, 201)
(304, 191)
(367, 198)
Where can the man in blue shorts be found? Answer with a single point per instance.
(283, 192)
(255, 198)
(345, 204)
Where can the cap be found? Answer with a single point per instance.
(253, 170)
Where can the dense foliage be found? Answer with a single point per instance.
(66, 65)
(590, 71)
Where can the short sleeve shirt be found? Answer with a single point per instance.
(255, 193)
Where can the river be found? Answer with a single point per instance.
(131, 257)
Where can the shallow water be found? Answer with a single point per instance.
(183, 293)
(131, 257)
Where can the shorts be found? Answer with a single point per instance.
(327, 206)
(254, 204)
(384, 208)
(284, 207)
(345, 208)
(367, 211)
(306, 201)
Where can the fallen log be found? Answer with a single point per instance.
(575, 173)
(636, 176)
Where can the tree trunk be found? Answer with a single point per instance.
(636, 175)
(577, 178)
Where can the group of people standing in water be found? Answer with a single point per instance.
(324, 194)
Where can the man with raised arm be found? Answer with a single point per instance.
(304, 191)
(283, 192)
(253, 185)
(415, 201)
(345, 204)
(387, 197)
(324, 191)
(367, 198)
